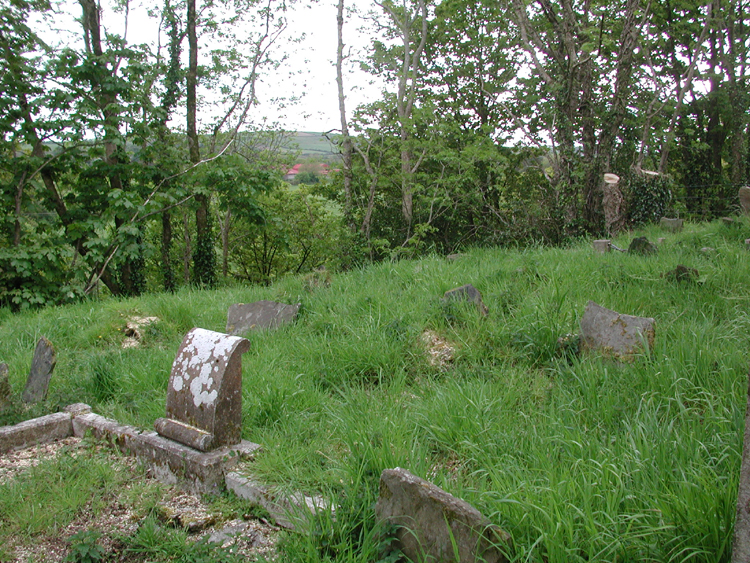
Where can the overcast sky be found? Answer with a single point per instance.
(309, 72)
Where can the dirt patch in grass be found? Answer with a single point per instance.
(121, 517)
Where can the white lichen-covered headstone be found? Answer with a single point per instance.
(613, 334)
(603, 245)
(433, 525)
(204, 398)
(40, 373)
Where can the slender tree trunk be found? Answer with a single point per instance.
(166, 250)
(346, 142)
(203, 261)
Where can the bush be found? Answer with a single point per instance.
(648, 199)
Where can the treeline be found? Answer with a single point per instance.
(498, 125)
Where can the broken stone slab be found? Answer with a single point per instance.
(744, 195)
(6, 392)
(671, 225)
(660, 241)
(244, 317)
(291, 512)
(456, 256)
(603, 246)
(729, 221)
(708, 250)
(467, 293)
(641, 245)
(204, 397)
(40, 373)
(40, 430)
(681, 274)
(615, 335)
(169, 461)
(433, 525)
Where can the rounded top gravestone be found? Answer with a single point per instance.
(204, 398)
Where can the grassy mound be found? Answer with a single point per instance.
(577, 457)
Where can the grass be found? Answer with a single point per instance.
(577, 457)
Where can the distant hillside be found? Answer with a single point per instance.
(313, 145)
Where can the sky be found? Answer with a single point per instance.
(308, 73)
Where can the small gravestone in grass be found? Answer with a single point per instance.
(204, 398)
(433, 525)
(6, 392)
(40, 373)
(615, 335)
(642, 246)
(681, 274)
(244, 317)
(671, 224)
(467, 293)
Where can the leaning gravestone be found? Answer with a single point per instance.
(466, 293)
(243, 317)
(615, 335)
(40, 373)
(745, 199)
(6, 392)
(204, 398)
(433, 525)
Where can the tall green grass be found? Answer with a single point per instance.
(577, 457)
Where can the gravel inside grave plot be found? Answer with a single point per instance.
(249, 537)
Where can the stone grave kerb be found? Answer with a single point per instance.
(204, 398)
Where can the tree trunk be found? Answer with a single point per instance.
(346, 141)
(166, 248)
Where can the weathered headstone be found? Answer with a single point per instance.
(467, 293)
(433, 525)
(603, 246)
(615, 335)
(40, 373)
(744, 194)
(672, 225)
(243, 317)
(641, 245)
(204, 398)
(6, 392)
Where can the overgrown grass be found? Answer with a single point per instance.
(578, 458)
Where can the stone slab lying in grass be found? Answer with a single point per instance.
(36, 431)
(244, 317)
(433, 525)
(613, 334)
(291, 512)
